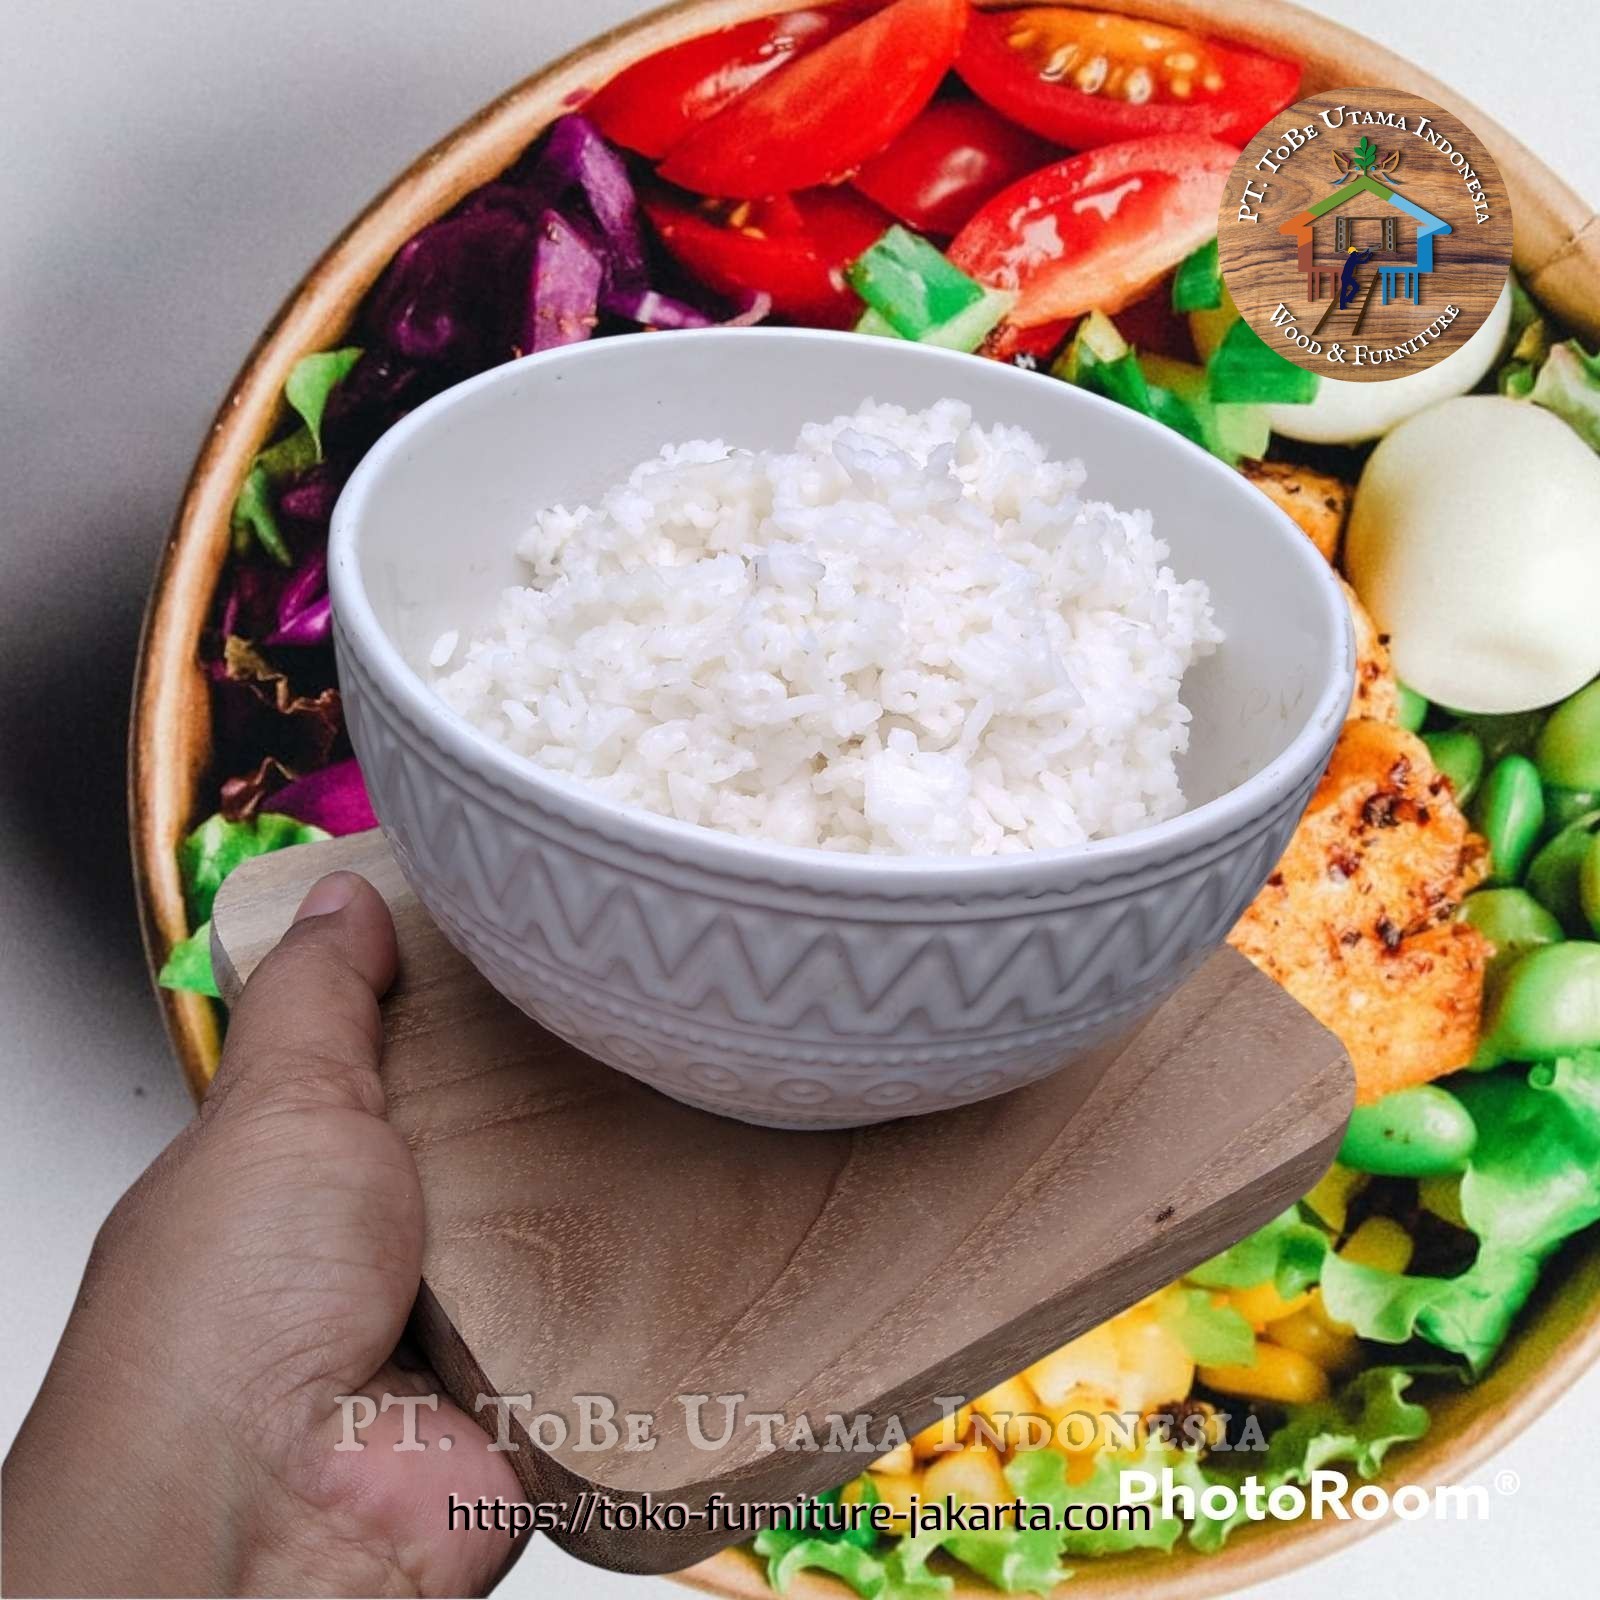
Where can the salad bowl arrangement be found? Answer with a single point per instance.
(1037, 185)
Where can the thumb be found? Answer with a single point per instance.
(318, 1219)
(306, 1030)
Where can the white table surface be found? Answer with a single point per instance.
(169, 169)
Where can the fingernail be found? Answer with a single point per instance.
(327, 895)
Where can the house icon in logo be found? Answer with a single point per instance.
(1355, 238)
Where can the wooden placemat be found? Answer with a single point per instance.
(587, 1236)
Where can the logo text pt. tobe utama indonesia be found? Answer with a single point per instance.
(1365, 233)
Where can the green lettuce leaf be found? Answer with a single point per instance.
(312, 379)
(1532, 1182)
(1039, 1479)
(1197, 284)
(255, 518)
(1245, 368)
(254, 512)
(189, 964)
(1527, 344)
(817, 1525)
(1534, 1179)
(906, 1569)
(1289, 1251)
(1357, 1427)
(217, 846)
(1468, 1315)
(205, 858)
(789, 1553)
(1569, 385)
(1215, 1336)
(1013, 1560)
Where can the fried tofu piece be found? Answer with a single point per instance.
(1355, 923)
(1377, 696)
(1406, 1016)
(1317, 501)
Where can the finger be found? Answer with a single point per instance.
(307, 1029)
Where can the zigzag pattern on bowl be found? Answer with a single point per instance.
(798, 1009)
(799, 1085)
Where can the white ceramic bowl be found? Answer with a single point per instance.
(786, 986)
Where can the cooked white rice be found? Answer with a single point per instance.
(909, 635)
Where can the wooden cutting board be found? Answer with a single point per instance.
(589, 1237)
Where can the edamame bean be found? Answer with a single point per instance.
(1547, 1004)
(1553, 875)
(1412, 1133)
(1513, 733)
(1511, 920)
(1568, 751)
(1413, 710)
(1459, 756)
(1562, 807)
(1510, 815)
(1589, 885)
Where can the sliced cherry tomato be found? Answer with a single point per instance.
(824, 114)
(1149, 324)
(794, 248)
(652, 105)
(955, 156)
(1008, 342)
(1084, 78)
(1095, 231)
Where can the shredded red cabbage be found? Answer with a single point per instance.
(530, 261)
(451, 297)
(576, 155)
(303, 615)
(334, 799)
(564, 296)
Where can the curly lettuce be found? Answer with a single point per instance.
(205, 858)
(1357, 1427)
(1569, 384)
(1289, 1252)
(1532, 1182)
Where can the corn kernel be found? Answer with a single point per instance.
(1007, 1410)
(945, 1434)
(1086, 1421)
(1331, 1197)
(1157, 1368)
(895, 1491)
(1312, 1333)
(1262, 1304)
(1089, 1361)
(1379, 1242)
(1276, 1374)
(971, 1474)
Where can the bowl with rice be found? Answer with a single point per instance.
(826, 730)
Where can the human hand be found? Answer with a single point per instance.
(183, 1439)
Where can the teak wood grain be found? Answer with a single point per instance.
(587, 1236)
(1260, 264)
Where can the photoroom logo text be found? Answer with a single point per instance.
(1328, 1496)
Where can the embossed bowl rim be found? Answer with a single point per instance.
(1234, 811)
